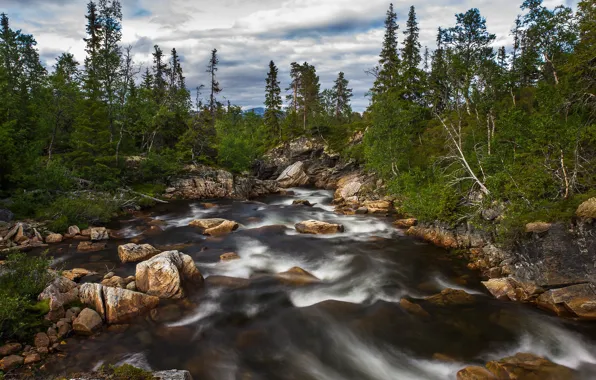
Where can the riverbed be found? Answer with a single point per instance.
(245, 323)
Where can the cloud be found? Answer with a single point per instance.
(333, 35)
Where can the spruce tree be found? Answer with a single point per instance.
(389, 62)
(411, 73)
(341, 95)
(215, 87)
(273, 102)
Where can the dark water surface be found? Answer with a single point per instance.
(349, 326)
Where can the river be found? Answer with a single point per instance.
(347, 326)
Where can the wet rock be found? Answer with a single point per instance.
(55, 315)
(92, 296)
(229, 256)
(302, 202)
(222, 229)
(32, 358)
(131, 253)
(41, 340)
(405, 223)
(54, 238)
(87, 323)
(451, 297)
(74, 230)
(172, 374)
(475, 373)
(208, 205)
(10, 348)
(361, 210)
(500, 288)
(227, 282)
(297, 276)
(276, 229)
(123, 305)
(118, 328)
(206, 223)
(132, 286)
(538, 227)
(98, 233)
(348, 186)
(152, 231)
(293, 176)
(378, 207)
(165, 274)
(317, 227)
(76, 273)
(167, 313)
(88, 246)
(11, 362)
(587, 210)
(525, 366)
(579, 300)
(59, 292)
(437, 236)
(114, 282)
(413, 308)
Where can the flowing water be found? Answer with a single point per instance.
(348, 326)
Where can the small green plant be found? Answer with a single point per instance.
(129, 372)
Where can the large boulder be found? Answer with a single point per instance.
(294, 175)
(524, 366)
(87, 323)
(538, 227)
(92, 295)
(98, 233)
(206, 223)
(578, 301)
(215, 226)
(318, 228)
(123, 305)
(166, 274)
(348, 187)
(54, 238)
(587, 209)
(297, 276)
(132, 253)
(76, 273)
(59, 292)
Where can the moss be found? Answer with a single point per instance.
(129, 372)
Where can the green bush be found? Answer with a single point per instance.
(22, 278)
(80, 209)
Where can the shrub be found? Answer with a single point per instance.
(79, 209)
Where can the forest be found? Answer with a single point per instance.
(453, 132)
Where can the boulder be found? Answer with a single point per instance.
(11, 362)
(318, 228)
(297, 276)
(74, 230)
(10, 348)
(132, 286)
(206, 223)
(227, 282)
(54, 238)
(524, 366)
(229, 256)
(451, 297)
(413, 308)
(165, 274)
(577, 300)
(587, 209)
(92, 296)
(114, 282)
(131, 253)
(172, 374)
(88, 246)
(59, 292)
(538, 227)
(302, 202)
(122, 305)
(32, 358)
(41, 340)
(293, 176)
(87, 323)
(500, 288)
(475, 373)
(222, 229)
(76, 273)
(6, 215)
(378, 207)
(348, 187)
(98, 233)
(405, 223)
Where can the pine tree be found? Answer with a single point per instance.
(389, 62)
(411, 74)
(308, 99)
(160, 73)
(215, 88)
(273, 102)
(341, 95)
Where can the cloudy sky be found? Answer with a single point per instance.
(333, 35)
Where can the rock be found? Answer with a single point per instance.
(109, 275)
(348, 186)
(208, 205)
(123, 305)
(405, 223)
(227, 282)
(74, 230)
(362, 210)
(172, 374)
(451, 297)
(413, 308)
(165, 274)
(92, 296)
(19, 237)
(500, 288)
(32, 358)
(11, 362)
(438, 236)
(86, 232)
(153, 230)
(297, 276)
(87, 323)
(229, 256)
(41, 340)
(10, 348)
(475, 373)
(524, 366)
(59, 292)
(302, 202)
(6, 215)
(222, 229)
(114, 282)
(63, 330)
(76, 273)
(132, 286)
(276, 229)
(318, 227)
(378, 207)
(98, 233)
(54, 238)
(293, 176)
(55, 315)
(587, 210)
(579, 300)
(206, 223)
(167, 313)
(538, 227)
(88, 246)
(130, 253)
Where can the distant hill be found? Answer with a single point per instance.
(258, 110)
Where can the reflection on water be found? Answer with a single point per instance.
(246, 324)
